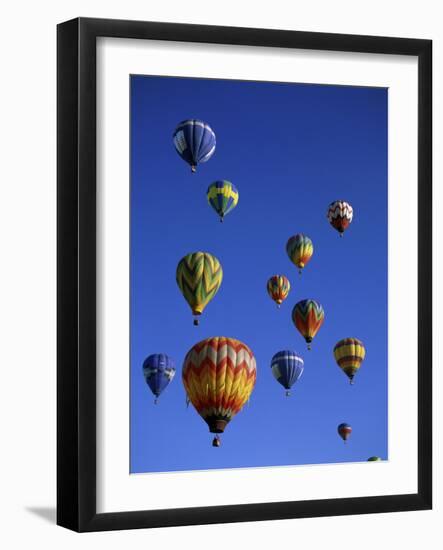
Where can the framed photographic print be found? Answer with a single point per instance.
(244, 274)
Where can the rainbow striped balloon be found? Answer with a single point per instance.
(300, 250)
(278, 287)
(219, 375)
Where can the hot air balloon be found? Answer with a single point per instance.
(223, 197)
(219, 375)
(287, 367)
(308, 317)
(194, 141)
(349, 354)
(158, 370)
(374, 459)
(199, 276)
(340, 215)
(344, 431)
(300, 250)
(278, 288)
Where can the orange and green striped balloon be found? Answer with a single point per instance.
(278, 288)
(349, 354)
(300, 250)
(199, 276)
(219, 375)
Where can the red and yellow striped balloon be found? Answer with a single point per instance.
(349, 354)
(219, 375)
(278, 288)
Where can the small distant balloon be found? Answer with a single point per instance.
(278, 287)
(299, 249)
(340, 214)
(223, 197)
(344, 431)
(287, 367)
(159, 371)
(194, 141)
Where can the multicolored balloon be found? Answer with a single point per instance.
(340, 214)
(374, 459)
(287, 367)
(349, 354)
(344, 431)
(223, 197)
(194, 141)
(300, 250)
(278, 288)
(199, 276)
(159, 371)
(219, 375)
(308, 317)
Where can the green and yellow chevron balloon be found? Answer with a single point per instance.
(199, 276)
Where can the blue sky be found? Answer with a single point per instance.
(290, 149)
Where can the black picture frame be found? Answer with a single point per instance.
(76, 266)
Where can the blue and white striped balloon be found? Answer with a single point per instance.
(194, 141)
(287, 367)
(158, 370)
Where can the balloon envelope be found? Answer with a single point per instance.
(199, 276)
(219, 375)
(340, 214)
(349, 354)
(344, 430)
(159, 371)
(287, 367)
(194, 141)
(308, 317)
(278, 287)
(222, 196)
(299, 249)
